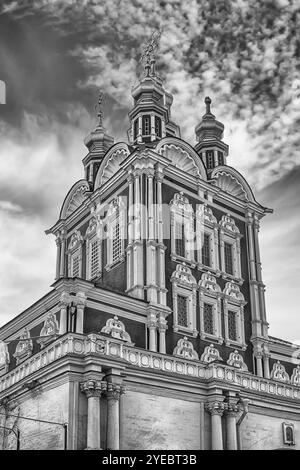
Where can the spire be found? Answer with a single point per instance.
(209, 134)
(151, 114)
(97, 142)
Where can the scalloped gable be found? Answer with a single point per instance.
(111, 163)
(74, 198)
(182, 156)
(232, 182)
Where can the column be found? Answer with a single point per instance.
(231, 435)
(266, 366)
(153, 135)
(80, 301)
(62, 253)
(93, 390)
(113, 420)
(151, 244)
(216, 410)
(122, 417)
(259, 369)
(58, 249)
(63, 304)
(216, 160)
(162, 328)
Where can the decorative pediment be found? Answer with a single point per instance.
(92, 227)
(236, 360)
(116, 328)
(232, 291)
(295, 379)
(181, 159)
(210, 354)
(4, 357)
(227, 223)
(75, 198)
(75, 241)
(183, 275)
(208, 283)
(181, 203)
(50, 330)
(24, 347)
(111, 163)
(205, 214)
(231, 185)
(279, 373)
(185, 348)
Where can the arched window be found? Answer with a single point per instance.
(210, 308)
(230, 249)
(75, 255)
(93, 249)
(182, 229)
(234, 303)
(184, 300)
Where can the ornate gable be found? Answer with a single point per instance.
(279, 373)
(210, 354)
(183, 275)
(236, 360)
(116, 328)
(228, 224)
(50, 330)
(233, 293)
(208, 283)
(185, 348)
(206, 215)
(24, 347)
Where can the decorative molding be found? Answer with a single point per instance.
(236, 360)
(233, 294)
(180, 159)
(50, 330)
(185, 348)
(92, 388)
(215, 407)
(184, 285)
(116, 328)
(227, 223)
(4, 357)
(24, 347)
(278, 372)
(295, 379)
(183, 276)
(210, 354)
(231, 185)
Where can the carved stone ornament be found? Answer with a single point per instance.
(206, 215)
(92, 227)
(93, 388)
(228, 224)
(295, 379)
(185, 348)
(116, 328)
(210, 354)
(75, 241)
(24, 347)
(232, 290)
(50, 330)
(236, 360)
(279, 373)
(181, 203)
(215, 407)
(209, 284)
(4, 357)
(183, 275)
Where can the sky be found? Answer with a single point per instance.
(55, 56)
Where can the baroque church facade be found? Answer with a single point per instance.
(154, 334)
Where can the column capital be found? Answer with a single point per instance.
(113, 391)
(232, 409)
(92, 388)
(215, 407)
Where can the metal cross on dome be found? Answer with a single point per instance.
(98, 106)
(149, 50)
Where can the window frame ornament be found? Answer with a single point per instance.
(47, 337)
(236, 360)
(93, 233)
(116, 329)
(184, 348)
(210, 354)
(116, 214)
(234, 301)
(22, 353)
(184, 284)
(210, 293)
(75, 249)
(286, 440)
(279, 373)
(4, 358)
(181, 212)
(206, 223)
(229, 233)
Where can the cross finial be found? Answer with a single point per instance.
(98, 107)
(149, 50)
(207, 102)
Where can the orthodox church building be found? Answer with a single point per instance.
(154, 334)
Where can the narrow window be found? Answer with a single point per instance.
(220, 158)
(179, 239)
(206, 250)
(94, 258)
(228, 258)
(182, 311)
(208, 319)
(135, 128)
(232, 332)
(210, 159)
(146, 125)
(75, 266)
(116, 242)
(157, 126)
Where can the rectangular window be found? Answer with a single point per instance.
(146, 125)
(182, 311)
(116, 242)
(94, 258)
(232, 333)
(228, 258)
(135, 128)
(157, 126)
(210, 159)
(75, 266)
(179, 239)
(206, 250)
(208, 319)
(220, 158)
